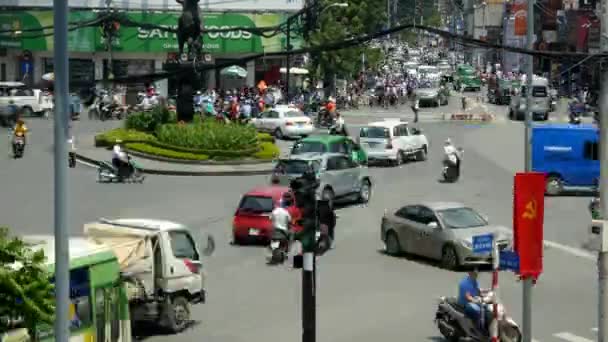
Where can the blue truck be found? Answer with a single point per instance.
(568, 155)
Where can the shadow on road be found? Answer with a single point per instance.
(433, 263)
(143, 331)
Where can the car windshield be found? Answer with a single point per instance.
(256, 204)
(374, 132)
(295, 167)
(309, 147)
(429, 84)
(459, 218)
(293, 114)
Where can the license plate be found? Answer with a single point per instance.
(274, 244)
(254, 232)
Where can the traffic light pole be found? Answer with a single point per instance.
(309, 298)
(287, 58)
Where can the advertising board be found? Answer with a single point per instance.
(172, 5)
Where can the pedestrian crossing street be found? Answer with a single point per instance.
(566, 336)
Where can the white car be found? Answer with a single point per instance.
(29, 101)
(394, 141)
(284, 121)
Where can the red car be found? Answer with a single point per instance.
(252, 218)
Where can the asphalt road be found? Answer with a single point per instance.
(362, 294)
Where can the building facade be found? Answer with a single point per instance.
(135, 50)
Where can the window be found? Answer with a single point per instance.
(396, 131)
(333, 164)
(426, 216)
(337, 147)
(374, 132)
(273, 114)
(309, 147)
(348, 146)
(539, 91)
(591, 150)
(459, 218)
(403, 131)
(100, 314)
(293, 114)
(182, 245)
(408, 213)
(257, 204)
(344, 163)
(295, 167)
(115, 311)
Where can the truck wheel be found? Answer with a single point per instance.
(554, 185)
(178, 314)
(422, 154)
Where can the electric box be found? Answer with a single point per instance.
(597, 236)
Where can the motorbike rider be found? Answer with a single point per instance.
(339, 126)
(20, 130)
(120, 160)
(451, 155)
(281, 219)
(469, 297)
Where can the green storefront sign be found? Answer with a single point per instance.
(136, 39)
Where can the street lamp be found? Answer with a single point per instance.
(288, 40)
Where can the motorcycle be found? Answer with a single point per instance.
(18, 146)
(451, 167)
(455, 325)
(324, 119)
(278, 249)
(108, 173)
(575, 112)
(337, 129)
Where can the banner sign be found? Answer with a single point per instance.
(528, 217)
(173, 5)
(520, 11)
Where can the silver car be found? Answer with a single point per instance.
(439, 230)
(430, 92)
(339, 175)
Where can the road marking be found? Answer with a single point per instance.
(87, 164)
(594, 329)
(564, 248)
(571, 337)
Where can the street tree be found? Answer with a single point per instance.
(26, 293)
(335, 24)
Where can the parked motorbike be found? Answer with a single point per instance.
(18, 146)
(454, 325)
(575, 112)
(108, 173)
(451, 167)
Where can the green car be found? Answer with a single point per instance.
(465, 78)
(320, 144)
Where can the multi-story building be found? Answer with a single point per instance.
(28, 55)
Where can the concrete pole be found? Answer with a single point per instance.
(62, 254)
(288, 59)
(527, 282)
(602, 257)
(388, 18)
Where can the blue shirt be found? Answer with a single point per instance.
(467, 285)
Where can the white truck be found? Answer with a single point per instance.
(161, 264)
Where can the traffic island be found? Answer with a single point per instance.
(204, 147)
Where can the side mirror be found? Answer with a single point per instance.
(207, 245)
(433, 225)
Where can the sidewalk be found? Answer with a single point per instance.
(91, 156)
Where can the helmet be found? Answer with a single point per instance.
(198, 92)
(287, 199)
(19, 134)
(20, 122)
(448, 141)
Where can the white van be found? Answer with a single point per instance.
(541, 101)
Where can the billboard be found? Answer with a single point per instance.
(205, 5)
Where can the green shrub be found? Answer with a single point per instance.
(214, 154)
(109, 138)
(265, 137)
(149, 121)
(268, 151)
(161, 152)
(209, 135)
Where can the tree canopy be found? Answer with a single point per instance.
(337, 23)
(26, 294)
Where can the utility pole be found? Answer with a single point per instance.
(288, 58)
(602, 257)
(62, 244)
(388, 18)
(528, 282)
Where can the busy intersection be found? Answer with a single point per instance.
(362, 292)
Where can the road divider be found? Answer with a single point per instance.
(483, 117)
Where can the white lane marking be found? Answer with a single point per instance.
(594, 329)
(533, 340)
(581, 253)
(571, 337)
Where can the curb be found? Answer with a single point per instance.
(194, 162)
(97, 163)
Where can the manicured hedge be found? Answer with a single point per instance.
(161, 152)
(209, 135)
(268, 151)
(109, 138)
(149, 121)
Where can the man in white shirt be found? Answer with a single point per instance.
(280, 217)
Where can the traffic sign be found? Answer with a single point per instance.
(482, 244)
(509, 261)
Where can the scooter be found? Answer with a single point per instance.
(278, 249)
(454, 325)
(108, 173)
(18, 146)
(337, 129)
(451, 167)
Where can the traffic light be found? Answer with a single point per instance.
(304, 189)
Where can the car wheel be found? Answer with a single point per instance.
(27, 111)
(365, 193)
(392, 245)
(449, 258)
(511, 114)
(278, 134)
(237, 241)
(554, 185)
(399, 158)
(178, 314)
(328, 195)
(422, 153)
